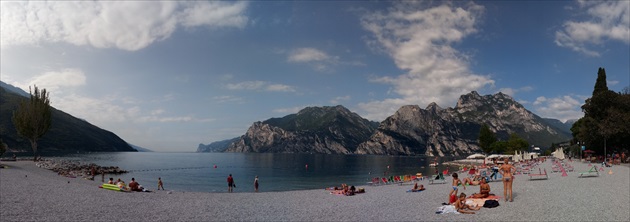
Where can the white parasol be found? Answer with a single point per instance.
(476, 156)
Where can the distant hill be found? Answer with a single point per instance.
(566, 126)
(66, 134)
(140, 149)
(216, 147)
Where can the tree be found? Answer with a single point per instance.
(600, 83)
(486, 138)
(499, 147)
(3, 147)
(606, 117)
(516, 143)
(33, 117)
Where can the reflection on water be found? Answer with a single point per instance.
(276, 171)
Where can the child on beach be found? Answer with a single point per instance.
(160, 184)
(456, 182)
(461, 205)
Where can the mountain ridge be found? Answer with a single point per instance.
(411, 130)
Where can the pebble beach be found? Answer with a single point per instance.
(30, 193)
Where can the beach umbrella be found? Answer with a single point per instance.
(476, 156)
(493, 156)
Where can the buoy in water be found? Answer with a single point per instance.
(215, 166)
(306, 166)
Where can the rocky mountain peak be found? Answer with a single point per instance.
(328, 129)
(433, 107)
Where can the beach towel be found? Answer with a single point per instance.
(446, 209)
(413, 191)
(480, 201)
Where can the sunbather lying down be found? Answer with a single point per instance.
(462, 207)
(471, 182)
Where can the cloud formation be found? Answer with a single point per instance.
(608, 20)
(56, 82)
(562, 107)
(127, 25)
(318, 59)
(260, 86)
(419, 39)
(307, 55)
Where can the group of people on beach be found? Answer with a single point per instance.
(507, 171)
(133, 185)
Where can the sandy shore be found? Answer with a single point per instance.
(29, 193)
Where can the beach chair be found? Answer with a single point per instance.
(539, 176)
(569, 168)
(437, 179)
(375, 181)
(592, 172)
(384, 179)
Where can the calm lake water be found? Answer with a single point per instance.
(276, 172)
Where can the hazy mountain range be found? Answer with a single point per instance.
(410, 131)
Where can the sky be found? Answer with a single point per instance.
(170, 75)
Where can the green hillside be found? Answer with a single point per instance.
(66, 134)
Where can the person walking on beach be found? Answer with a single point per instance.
(507, 171)
(256, 184)
(230, 181)
(160, 184)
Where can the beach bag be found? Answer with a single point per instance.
(491, 203)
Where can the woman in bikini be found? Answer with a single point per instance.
(506, 171)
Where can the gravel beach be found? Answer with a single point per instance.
(29, 193)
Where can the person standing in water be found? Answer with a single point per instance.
(256, 184)
(507, 171)
(230, 181)
(160, 184)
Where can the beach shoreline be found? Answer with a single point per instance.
(35, 194)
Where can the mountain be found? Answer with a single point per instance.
(432, 131)
(216, 147)
(330, 130)
(140, 149)
(454, 131)
(565, 127)
(66, 134)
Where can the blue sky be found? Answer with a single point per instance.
(170, 75)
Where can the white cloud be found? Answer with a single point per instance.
(420, 40)
(512, 92)
(339, 99)
(56, 82)
(562, 107)
(307, 55)
(227, 99)
(609, 20)
(108, 110)
(214, 14)
(260, 86)
(289, 110)
(612, 82)
(318, 59)
(127, 25)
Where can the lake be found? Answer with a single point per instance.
(276, 171)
